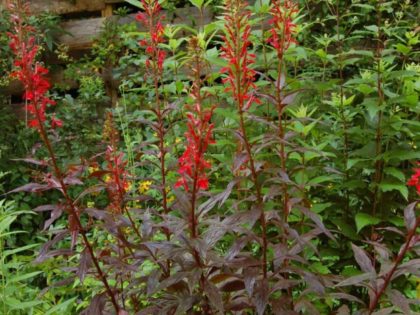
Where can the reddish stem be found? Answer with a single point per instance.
(397, 261)
(73, 210)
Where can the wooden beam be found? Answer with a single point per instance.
(108, 10)
(63, 6)
(81, 33)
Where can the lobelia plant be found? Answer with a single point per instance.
(151, 19)
(281, 37)
(377, 280)
(195, 237)
(240, 83)
(33, 77)
(199, 135)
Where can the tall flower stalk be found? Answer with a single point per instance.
(151, 19)
(33, 77)
(281, 37)
(240, 79)
(199, 135)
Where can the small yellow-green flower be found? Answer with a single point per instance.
(107, 178)
(90, 204)
(128, 186)
(144, 186)
(93, 169)
(171, 199)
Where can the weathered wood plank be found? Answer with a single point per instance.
(81, 33)
(64, 6)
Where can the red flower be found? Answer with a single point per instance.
(199, 135)
(56, 122)
(117, 180)
(415, 179)
(240, 76)
(28, 71)
(282, 30)
(151, 20)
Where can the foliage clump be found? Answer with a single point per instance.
(261, 164)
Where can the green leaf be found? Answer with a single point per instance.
(18, 305)
(346, 229)
(17, 250)
(5, 223)
(61, 308)
(353, 162)
(395, 173)
(364, 219)
(136, 3)
(321, 179)
(405, 50)
(24, 276)
(320, 268)
(197, 3)
(372, 28)
(212, 56)
(389, 186)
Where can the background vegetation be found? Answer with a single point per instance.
(299, 204)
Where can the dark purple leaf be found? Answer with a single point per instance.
(97, 305)
(399, 300)
(315, 218)
(240, 159)
(313, 283)
(343, 310)
(214, 296)
(84, 264)
(45, 248)
(148, 310)
(358, 280)
(238, 304)
(219, 198)
(410, 216)
(289, 98)
(55, 214)
(363, 259)
(348, 297)
(72, 181)
(90, 190)
(250, 276)
(152, 281)
(172, 280)
(31, 187)
(304, 305)
(32, 161)
(233, 286)
(261, 296)
(384, 311)
(46, 208)
(97, 214)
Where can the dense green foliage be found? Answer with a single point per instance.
(325, 158)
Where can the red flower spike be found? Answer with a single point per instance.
(117, 180)
(151, 20)
(240, 76)
(192, 163)
(415, 179)
(28, 71)
(56, 122)
(282, 28)
(199, 134)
